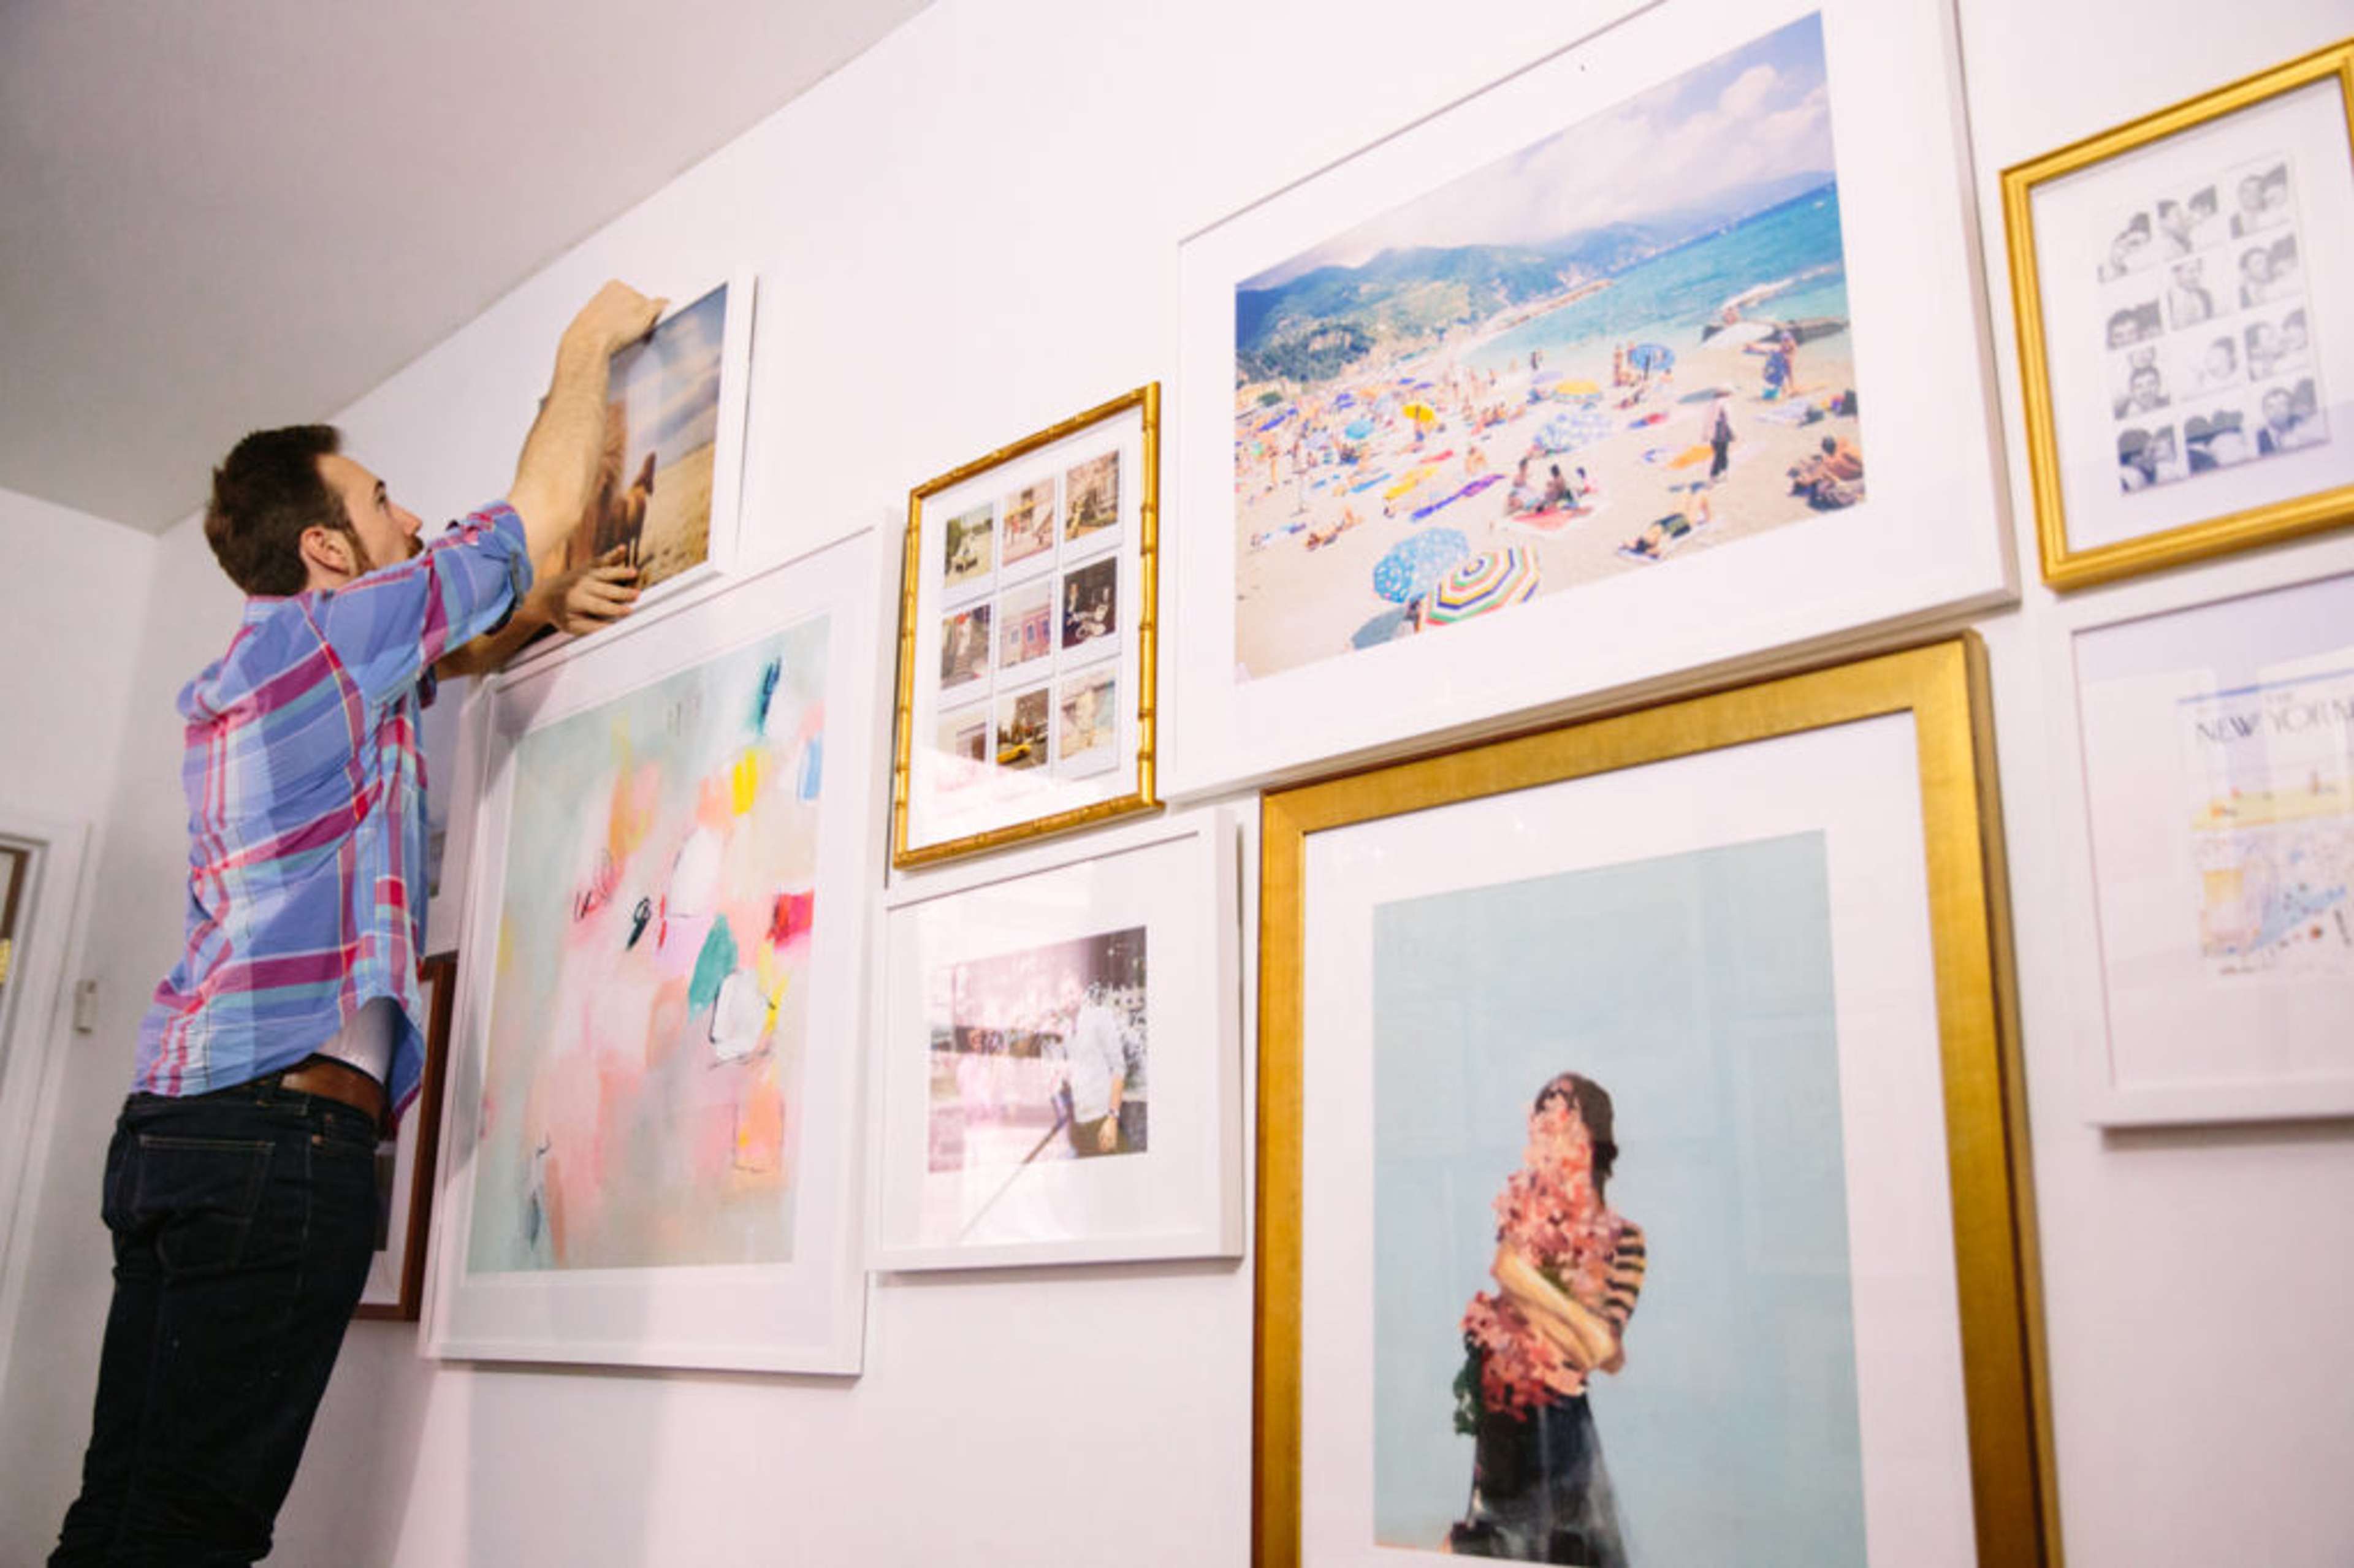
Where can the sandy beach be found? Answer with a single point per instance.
(677, 533)
(1316, 508)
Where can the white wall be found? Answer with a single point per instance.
(72, 603)
(964, 235)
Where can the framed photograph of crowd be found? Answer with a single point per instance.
(405, 1164)
(2189, 374)
(669, 484)
(1058, 1072)
(1660, 355)
(2212, 902)
(1639, 1105)
(651, 1135)
(1028, 638)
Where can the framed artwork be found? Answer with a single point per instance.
(651, 1134)
(404, 1165)
(1639, 1118)
(1656, 357)
(1058, 1068)
(2186, 380)
(2213, 857)
(1028, 635)
(670, 483)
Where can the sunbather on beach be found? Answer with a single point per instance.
(1831, 479)
(1663, 533)
(1524, 495)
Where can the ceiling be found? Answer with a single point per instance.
(216, 215)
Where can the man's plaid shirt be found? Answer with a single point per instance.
(306, 814)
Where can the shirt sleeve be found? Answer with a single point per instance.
(388, 627)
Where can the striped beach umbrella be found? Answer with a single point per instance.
(1412, 565)
(1491, 580)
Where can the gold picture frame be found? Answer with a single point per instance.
(1140, 619)
(2067, 566)
(1942, 686)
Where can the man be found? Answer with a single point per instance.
(1098, 1073)
(2283, 430)
(240, 1186)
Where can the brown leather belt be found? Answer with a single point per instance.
(337, 1081)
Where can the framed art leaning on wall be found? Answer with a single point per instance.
(1028, 637)
(1665, 353)
(405, 1165)
(1642, 1164)
(1058, 1065)
(2187, 364)
(651, 1136)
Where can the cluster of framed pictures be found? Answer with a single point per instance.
(1723, 976)
(1028, 634)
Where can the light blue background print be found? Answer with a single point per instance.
(1697, 989)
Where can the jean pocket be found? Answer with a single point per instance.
(199, 1197)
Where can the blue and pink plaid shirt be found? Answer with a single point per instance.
(306, 814)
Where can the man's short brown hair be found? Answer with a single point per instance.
(265, 494)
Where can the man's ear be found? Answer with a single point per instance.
(328, 551)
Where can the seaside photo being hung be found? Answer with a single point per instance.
(668, 484)
(1662, 353)
(1625, 341)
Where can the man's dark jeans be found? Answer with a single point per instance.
(243, 1221)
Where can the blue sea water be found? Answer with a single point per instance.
(1666, 298)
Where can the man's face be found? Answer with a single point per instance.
(387, 534)
(2276, 409)
(2145, 389)
(2252, 194)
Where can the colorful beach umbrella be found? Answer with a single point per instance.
(1568, 432)
(1358, 430)
(1651, 356)
(1491, 580)
(1412, 565)
(1419, 412)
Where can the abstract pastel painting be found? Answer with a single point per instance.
(649, 999)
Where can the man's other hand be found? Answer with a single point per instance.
(579, 601)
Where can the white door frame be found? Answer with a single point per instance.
(35, 1015)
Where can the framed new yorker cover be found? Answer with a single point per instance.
(1058, 1063)
(2188, 370)
(1642, 1153)
(1664, 355)
(405, 1162)
(1028, 635)
(2212, 857)
(651, 1132)
(670, 480)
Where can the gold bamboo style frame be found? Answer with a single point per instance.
(1944, 687)
(1148, 627)
(2065, 567)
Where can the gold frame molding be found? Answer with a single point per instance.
(1148, 630)
(1944, 687)
(2064, 567)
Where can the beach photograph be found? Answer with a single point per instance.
(662, 434)
(1623, 343)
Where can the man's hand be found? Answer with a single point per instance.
(616, 318)
(1108, 1136)
(579, 601)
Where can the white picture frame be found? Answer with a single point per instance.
(1161, 900)
(1928, 543)
(2193, 996)
(723, 549)
(805, 1314)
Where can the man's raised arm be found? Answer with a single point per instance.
(556, 474)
